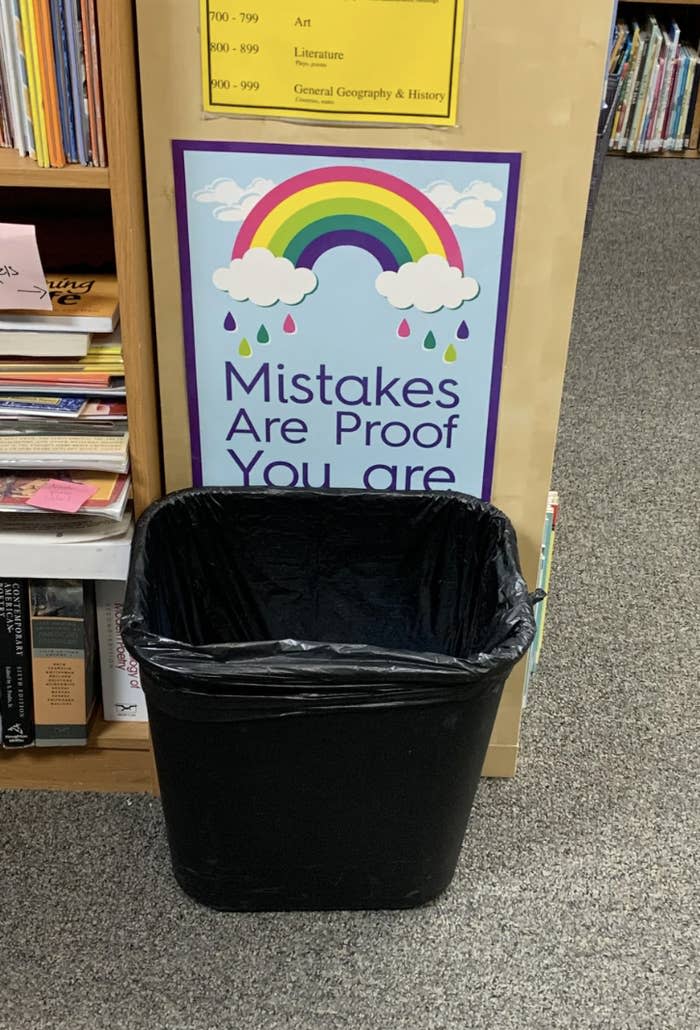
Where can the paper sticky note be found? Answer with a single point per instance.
(22, 279)
(61, 495)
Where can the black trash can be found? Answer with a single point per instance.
(322, 671)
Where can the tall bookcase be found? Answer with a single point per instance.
(118, 755)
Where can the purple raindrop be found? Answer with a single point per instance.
(463, 331)
(229, 323)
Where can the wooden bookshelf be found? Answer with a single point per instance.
(22, 171)
(636, 6)
(118, 755)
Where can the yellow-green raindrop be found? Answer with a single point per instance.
(244, 348)
(450, 354)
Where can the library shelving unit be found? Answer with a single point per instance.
(650, 5)
(518, 92)
(118, 755)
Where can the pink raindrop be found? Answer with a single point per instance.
(404, 330)
(289, 325)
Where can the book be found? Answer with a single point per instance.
(49, 87)
(81, 303)
(16, 705)
(36, 527)
(693, 109)
(122, 697)
(77, 79)
(62, 81)
(91, 46)
(636, 55)
(680, 139)
(681, 80)
(544, 573)
(84, 409)
(34, 344)
(14, 87)
(108, 501)
(23, 76)
(671, 41)
(39, 389)
(34, 450)
(62, 618)
(653, 41)
(35, 94)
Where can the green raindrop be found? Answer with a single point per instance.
(263, 335)
(450, 354)
(429, 343)
(244, 348)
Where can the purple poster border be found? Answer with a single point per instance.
(181, 148)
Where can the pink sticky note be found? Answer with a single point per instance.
(61, 495)
(22, 279)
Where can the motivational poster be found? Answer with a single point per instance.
(344, 313)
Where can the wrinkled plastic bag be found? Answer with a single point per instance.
(249, 603)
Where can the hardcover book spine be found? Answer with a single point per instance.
(16, 665)
(61, 661)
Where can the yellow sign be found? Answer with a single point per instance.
(333, 60)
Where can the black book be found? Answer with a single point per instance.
(692, 105)
(15, 664)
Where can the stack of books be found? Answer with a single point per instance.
(49, 633)
(63, 417)
(657, 105)
(50, 90)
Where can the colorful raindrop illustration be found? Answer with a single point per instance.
(289, 325)
(450, 354)
(463, 331)
(429, 343)
(404, 330)
(263, 335)
(244, 348)
(230, 323)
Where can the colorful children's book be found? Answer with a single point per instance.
(16, 30)
(43, 407)
(60, 44)
(49, 88)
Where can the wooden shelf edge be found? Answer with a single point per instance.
(23, 171)
(120, 736)
(77, 768)
(662, 153)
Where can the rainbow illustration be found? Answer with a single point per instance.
(346, 206)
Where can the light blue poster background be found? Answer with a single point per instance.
(344, 328)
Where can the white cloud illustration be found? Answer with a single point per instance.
(233, 202)
(264, 279)
(467, 208)
(428, 284)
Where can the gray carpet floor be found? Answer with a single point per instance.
(576, 902)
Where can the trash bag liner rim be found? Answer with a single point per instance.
(272, 671)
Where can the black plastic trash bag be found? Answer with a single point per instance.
(322, 671)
